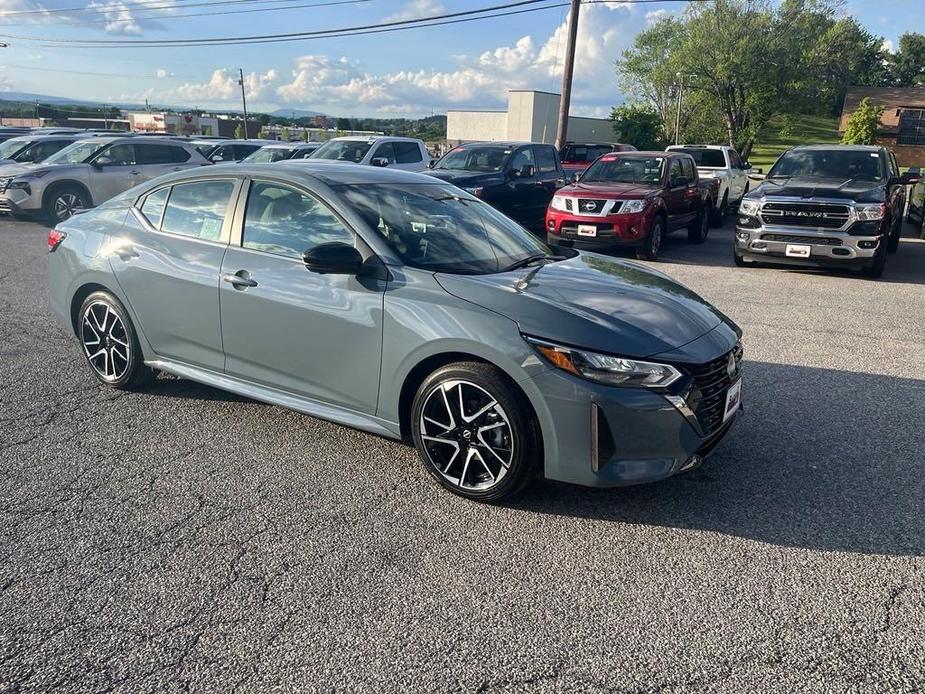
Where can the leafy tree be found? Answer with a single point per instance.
(239, 131)
(907, 65)
(284, 134)
(638, 124)
(863, 124)
(343, 124)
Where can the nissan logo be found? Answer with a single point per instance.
(590, 206)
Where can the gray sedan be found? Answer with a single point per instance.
(401, 305)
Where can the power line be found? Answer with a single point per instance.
(146, 6)
(95, 74)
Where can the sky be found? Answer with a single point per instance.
(406, 73)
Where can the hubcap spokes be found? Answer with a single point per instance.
(467, 435)
(66, 205)
(105, 341)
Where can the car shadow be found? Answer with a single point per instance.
(822, 459)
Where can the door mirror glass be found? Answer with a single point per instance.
(334, 258)
(525, 171)
(680, 181)
(379, 161)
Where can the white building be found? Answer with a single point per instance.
(531, 116)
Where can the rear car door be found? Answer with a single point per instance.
(522, 202)
(677, 195)
(157, 159)
(692, 193)
(549, 177)
(738, 177)
(408, 156)
(167, 261)
(319, 336)
(113, 171)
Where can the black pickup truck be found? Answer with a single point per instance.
(825, 206)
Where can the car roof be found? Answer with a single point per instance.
(670, 147)
(852, 148)
(307, 170)
(500, 143)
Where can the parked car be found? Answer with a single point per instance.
(825, 206)
(7, 133)
(916, 213)
(518, 178)
(632, 199)
(578, 156)
(31, 149)
(223, 151)
(724, 164)
(282, 151)
(406, 153)
(398, 304)
(89, 172)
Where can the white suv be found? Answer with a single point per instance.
(723, 163)
(404, 153)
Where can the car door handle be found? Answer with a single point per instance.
(135, 173)
(239, 280)
(126, 253)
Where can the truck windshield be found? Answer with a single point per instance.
(829, 163)
(439, 228)
(479, 159)
(708, 158)
(625, 170)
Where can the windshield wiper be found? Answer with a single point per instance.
(530, 259)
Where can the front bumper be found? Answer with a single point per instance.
(17, 200)
(610, 231)
(827, 248)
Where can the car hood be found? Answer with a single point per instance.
(595, 302)
(466, 179)
(628, 190)
(839, 189)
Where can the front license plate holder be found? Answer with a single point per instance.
(733, 400)
(587, 230)
(797, 250)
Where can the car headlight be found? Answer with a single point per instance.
(558, 203)
(633, 206)
(749, 206)
(870, 213)
(605, 368)
(476, 191)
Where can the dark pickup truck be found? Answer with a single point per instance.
(825, 206)
(517, 178)
(633, 199)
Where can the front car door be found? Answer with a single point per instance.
(522, 201)
(678, 207)
(548, 175)
(314, 335)
(113, 171)
(168, 259)
(738, 177)
(157, 159)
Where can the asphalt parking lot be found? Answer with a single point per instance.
(184, 539)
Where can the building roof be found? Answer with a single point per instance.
(894, 99)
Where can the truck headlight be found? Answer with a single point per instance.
(870, 213)
(633, 206)
(749, 206)
(558, 203)
(605, 368)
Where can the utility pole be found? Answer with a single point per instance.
(243, 99)
(677, 118)
(566, 98)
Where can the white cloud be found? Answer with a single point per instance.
(161, 73)
(222, 86)
(415, 9)
(5, 84)
(656, 15)
(122, 18)
(888, 46)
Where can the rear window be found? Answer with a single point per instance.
(159, 154)
(712, 158)
(584, 153)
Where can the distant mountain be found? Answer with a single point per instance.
(45, 99)
(294, 113)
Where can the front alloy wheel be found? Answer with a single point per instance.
(109, 342)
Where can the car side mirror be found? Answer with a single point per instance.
(525, 171)
(680, 181)
(217, 158)
(746, 166)
(906, 179)
(432, 163)
(100, 162)
(334, 258)
(915, 170)
(576, 177)
(380, 161)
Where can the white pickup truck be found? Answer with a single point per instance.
(724, 163)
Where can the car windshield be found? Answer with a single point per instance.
(710, 158)
(76, 153)
(439, 228)
(12, 147)
(481, 159)
(584, 153)
(625, 170)
(829, 163)
(266, 155)
(343, 150)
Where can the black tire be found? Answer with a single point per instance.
(497, 453)
(718, 214)
(697, 233)
(875, 270)
(650, 248)
(109, 342)
(739, 261)
(892, 241)
(61, 201)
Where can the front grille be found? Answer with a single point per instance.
(799, 214)
(817, 240)
(568, 204)
(711, 381)
(590, 206)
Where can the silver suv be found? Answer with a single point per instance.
(30, 149)
(88, 173)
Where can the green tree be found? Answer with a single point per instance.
(284, 134)
(638, 124)
(343, 124)
(907, 65)
(863, 124)
(239, 131)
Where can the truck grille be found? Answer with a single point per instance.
(568, 204)
(808, 240)
(712, 380)
(801, 214)
(590, 206)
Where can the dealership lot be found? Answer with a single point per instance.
(184, 539)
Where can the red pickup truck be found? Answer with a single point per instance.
(632, 199)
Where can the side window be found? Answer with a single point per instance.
(687, 166)
(545, 159)
(287, 222)
(893, 165)
(198, 209)
(121, 155)
(178, 155)
(522, 157)
(385, 151)
(241, 151)
(153, 154)
(407, 152)
(734, 160)
(153, 206)
(674, 170)
(226, 152)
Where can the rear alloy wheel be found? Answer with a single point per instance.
(472, 432)
(697, 233)
(109, 342)
(63, 202)
(653, 244)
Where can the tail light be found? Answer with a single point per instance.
(55, 238)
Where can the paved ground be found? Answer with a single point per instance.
(183, 539)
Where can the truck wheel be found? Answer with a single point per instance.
(701, 227)
(739, 260)
(875, 271)
(653, 243)
(892, 242)
(717, 215)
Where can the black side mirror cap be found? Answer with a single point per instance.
(380, 161)
(334, 258)
(906, 179)
(432, 163)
